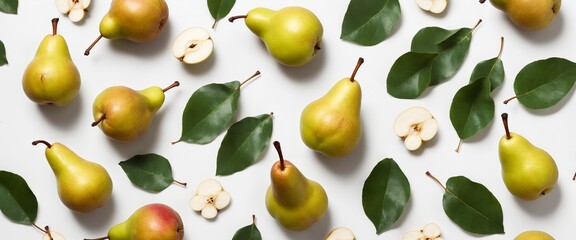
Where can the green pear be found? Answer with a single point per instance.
(154, 221)
(528, 171)
(295, 201)
(292, 35)
(51, 77)
(534, 235)
(83, 186)
(135, 20)
(332, 124)
(124, 114)
(530, 14)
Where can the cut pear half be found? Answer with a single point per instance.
(75, 9)
(430, 231)
(193, 45)
(210, 198)
(415, 125)
(341, 233)
(433, 6)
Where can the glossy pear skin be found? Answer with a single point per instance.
(534, 235)
(135, 20)
(154, 221)
(293, 200)
(83, 186)
(530, 14)
(51, 77)
(528, 171)
(332, 123)
(128, 113)
(292, 35)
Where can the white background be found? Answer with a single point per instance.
(284, 91)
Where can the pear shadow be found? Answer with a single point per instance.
(63, 117)
(548, 34)
(147, 49)
(346, 164)
(317, 231)
(99, 218)
(309, 70)
(544, 205)
(201, 68)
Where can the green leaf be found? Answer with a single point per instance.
(9, 6)
(472, 108)
(385, 193)
(451, 46)
(369, 22)
(209, 111)
(17, 201)
(150, 172)
(249, 232)
(410, 75)
(220, 8)
(243, 144)
(543, 83)
(472, 206)
(3, 59)
(492, 69)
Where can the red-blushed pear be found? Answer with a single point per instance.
(51, 77)
(530, 14)
(135, 20)
(154, 221)
(83, 186)
(295, 201)
(124, 114)
(528, 171)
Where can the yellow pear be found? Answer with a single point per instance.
(534, 235)
(332, 124)
(530, 14)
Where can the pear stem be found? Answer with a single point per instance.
(48, 145)
(482, 1)
(509, 99)
(54, 26)
(574, 177)
(100, 119)
(173, 85)
(46, 230)
(257, 73)
(87, 52)
(279, 150)
(231, 19)
(505, 121)
(501, 47)
(100, 238)
(360, 61)
(180, 183)
(436, 180)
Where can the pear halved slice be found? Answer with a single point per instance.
(415, 125)
(340, 233)
(433, 6)
(75, 9)
(193, 45)
(210, 198)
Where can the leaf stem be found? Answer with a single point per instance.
(180, 183)
(100, 238)
(100, 119)
(574, 177)
(54, 26)
(254, 219)
(173, 85)
(214, 24)
(257, 73)
(358, 64)
(231, 19)
(279, 150)
(458, 147)
(48, 145)
(475, 26)
(505, 121)
(87, 52)
(501, 47)
(39, 228)
(436, 180)
(510, 99)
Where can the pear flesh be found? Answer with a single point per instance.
(332, 124)
(83, 186)
(295, 201)
(51, 77)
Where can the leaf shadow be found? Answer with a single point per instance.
(317, 231)
(545, 205)
(63, 117)
(99, 218)
(346, 164)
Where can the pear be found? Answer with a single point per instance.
(51, 77)
(528, 171)
(530, 14)
(332, 123)
(135, 20)
(292, 35)
(534, 235)
(150, 222)
(295, 201)
(124, 114)
(83, 186)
